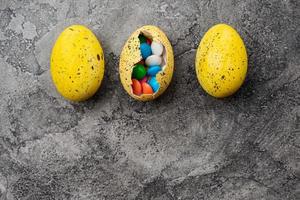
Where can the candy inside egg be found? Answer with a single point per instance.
(146, 63)
(145, 71)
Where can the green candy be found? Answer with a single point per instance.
(139, 72)
(142, 39)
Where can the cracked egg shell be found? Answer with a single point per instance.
(221, 61)
(131, 55)
(77, 63)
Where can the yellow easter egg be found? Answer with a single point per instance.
(221, 61)
(77, 63)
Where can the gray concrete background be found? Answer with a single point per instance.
(184, 145)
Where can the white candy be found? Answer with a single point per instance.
(157, 48)
(153, 60)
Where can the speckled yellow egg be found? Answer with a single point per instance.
(131, 56)
(221, 61)
(77, 63)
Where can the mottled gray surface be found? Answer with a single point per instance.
(184, 145)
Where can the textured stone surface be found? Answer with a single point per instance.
(185, 145)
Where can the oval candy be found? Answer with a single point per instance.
(145, 50)
(144, 80)
(147, 89)
(139, 72)
(153, 70)
(153, 60)
(157, 48)
(136, 87)
(154, 84)
(149, 41)
(142, 39)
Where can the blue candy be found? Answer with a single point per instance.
(145, 50)
(153, 70)
(153, 83)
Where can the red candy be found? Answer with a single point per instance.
(142, 62)
(144, 80)
(136, 87)
(149, 41)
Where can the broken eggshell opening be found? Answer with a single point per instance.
(149, 77)
(131, 55)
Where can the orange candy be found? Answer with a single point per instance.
(147, 89)
(136, 87)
